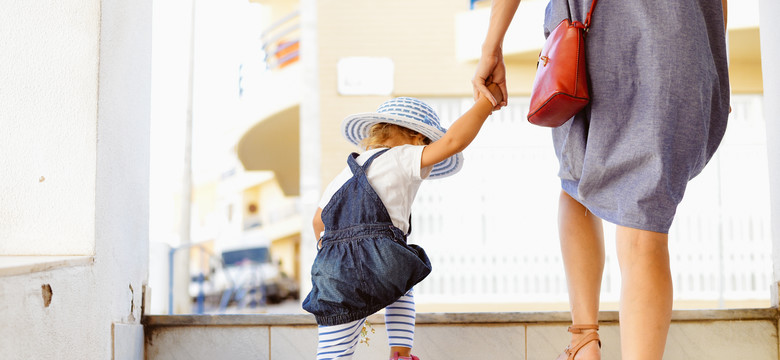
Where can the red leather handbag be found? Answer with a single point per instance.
(560, 88)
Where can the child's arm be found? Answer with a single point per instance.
(317, 224)
(462, 132)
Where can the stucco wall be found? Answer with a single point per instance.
(49, 77)
(79, 113)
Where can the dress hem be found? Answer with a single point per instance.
(571, 191)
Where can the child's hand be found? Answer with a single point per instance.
(496, 91)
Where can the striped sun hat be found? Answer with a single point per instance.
(410, 113)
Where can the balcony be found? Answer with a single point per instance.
(269, 136)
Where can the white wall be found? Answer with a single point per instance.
(770, 57)
(48, 72)
(75, 93)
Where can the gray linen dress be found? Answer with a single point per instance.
(660, 100)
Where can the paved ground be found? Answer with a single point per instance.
(285, 307)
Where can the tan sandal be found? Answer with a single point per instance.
(571, 351)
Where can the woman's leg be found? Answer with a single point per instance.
(338, 341)
(582, 247)
(646, 293)
(399, 321)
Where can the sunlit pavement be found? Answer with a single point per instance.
(289, 306)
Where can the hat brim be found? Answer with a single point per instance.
(355, 128)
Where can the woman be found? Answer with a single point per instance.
(658, 80)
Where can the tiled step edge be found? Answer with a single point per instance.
(450, 318)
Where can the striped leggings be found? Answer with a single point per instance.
(339, 341)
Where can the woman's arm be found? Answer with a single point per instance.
(491, 64)
(462, 132)
(725, 12)
(501, 14)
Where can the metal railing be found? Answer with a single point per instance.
(200, 278)
(280, 41)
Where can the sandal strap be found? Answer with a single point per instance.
(577, 329)
(572, 351)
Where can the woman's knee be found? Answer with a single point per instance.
(635, 244)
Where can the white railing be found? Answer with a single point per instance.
(491, 231)
(721, 256)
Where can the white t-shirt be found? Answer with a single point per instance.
(394, 175)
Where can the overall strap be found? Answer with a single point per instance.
(353, 165)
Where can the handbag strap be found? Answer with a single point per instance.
(586, 25)
(590, 12)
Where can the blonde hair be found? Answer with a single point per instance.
(379, 134)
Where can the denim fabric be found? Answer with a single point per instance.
(365, 263)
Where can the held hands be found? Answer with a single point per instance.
(490, 69)
(495, 90)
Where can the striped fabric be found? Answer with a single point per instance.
(339, 341)
(399, 321)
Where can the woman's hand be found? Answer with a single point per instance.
(491, 66)
(490, 69)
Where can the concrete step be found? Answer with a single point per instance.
(695, 334)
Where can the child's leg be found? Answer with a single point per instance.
(399, 321)
(338, 341)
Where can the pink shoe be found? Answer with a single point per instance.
(399, 357)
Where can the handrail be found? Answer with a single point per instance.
(278, 37)
(282, 33)
(278, 23)
(171, 258)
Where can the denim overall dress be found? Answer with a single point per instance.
(365, 263)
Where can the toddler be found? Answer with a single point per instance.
(364, 263)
